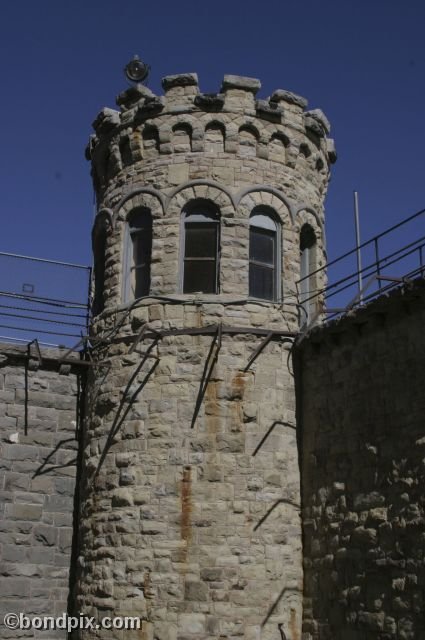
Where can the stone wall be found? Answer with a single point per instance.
(361, 407)
(38, 450)
(193, 526)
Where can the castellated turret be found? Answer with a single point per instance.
(209, 210)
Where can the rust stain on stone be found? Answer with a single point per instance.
(238, 385)
(293, 625)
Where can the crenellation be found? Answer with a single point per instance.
(106, 121)
(281, 95)
(134, 96)
(269, 111)
(319, 116)
(233, 126)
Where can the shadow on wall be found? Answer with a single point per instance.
(360, 408)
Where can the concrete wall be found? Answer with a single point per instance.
(37, 480)
(361, 407)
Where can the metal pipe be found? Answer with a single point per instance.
(358, 252)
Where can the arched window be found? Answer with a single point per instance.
(150, 138)
(182, 138)
(307, 268)
(214, 137)
(263, 254)
(201, 247)
(99, 249)
(137, 254)
(248, 138)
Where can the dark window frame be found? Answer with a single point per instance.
(263, 223)
(137, 275)
(200, 215)
(308, 247)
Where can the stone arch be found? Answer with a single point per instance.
(181, 138)
(149, 200)
(231, 140)
(305, 150)
(304, 157)
(150, 141)
(248, 137)
(187, 125)
(101, 235)
(270, 198)
(104, 214)
(277, 147)
(125, 151)
(143, 197)
(205, 189)
(262, 194)
(214, 137)
(307, 215)
(320, 165)
(311, 277)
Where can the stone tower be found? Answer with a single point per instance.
(210, 206)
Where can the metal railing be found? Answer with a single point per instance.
(49, 300)
(387, 265)
(43, 299)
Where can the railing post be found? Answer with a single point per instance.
(377, 260)
(358, 250)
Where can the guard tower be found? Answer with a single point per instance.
(209, 208)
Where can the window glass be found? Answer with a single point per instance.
(262, 245)
(201, 240)
(200, 276)
(139, 249)
(261, 282)
(307, 268)
(262, 256)
(201, 237)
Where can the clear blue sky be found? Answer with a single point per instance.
(362, 62)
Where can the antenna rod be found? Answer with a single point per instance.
(358, 251)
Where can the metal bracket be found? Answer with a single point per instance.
(38, 352)
(259, 349)
(207, 372)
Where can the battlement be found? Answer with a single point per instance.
(231, 121)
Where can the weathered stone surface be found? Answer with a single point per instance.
(36, 505)
(200, 513)
(287, 96)
(317, 114)
(131, 96)
(363, 477)
(241, 82)
(179, 80)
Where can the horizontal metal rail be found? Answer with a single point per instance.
(59, 263)
(376, 273)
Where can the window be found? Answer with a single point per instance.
(307, 267)
(201, 242)
(99, 249)
(263, 255)
(137, 272)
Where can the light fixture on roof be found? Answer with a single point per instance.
(136, 70)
